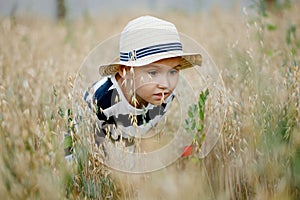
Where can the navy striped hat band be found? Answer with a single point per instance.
(147, 51)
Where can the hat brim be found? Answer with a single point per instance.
(188, 60)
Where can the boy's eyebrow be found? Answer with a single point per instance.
(161, 65)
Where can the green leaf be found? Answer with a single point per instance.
(271, 27)
(201, 115)
(70, 119)
(203, 137)
(200, 127)
(69, 112)
(186, 125)
(194, 107)
(206, 93)
(193, 124)
(67, 142)
(195, 160)
(190, 113)
(60, 112)
(54, 91)
(201, 102)
(270, 53)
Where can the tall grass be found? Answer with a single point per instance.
(265, 155)
(257, 156)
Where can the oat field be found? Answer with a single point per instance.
(257, 155)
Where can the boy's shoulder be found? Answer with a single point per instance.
(103, 93)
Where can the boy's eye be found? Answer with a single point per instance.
(173, 71)
(152, 72)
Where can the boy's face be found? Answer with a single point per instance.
(155, 82)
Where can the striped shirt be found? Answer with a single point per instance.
(116, 116)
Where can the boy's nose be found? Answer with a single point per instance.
(164, 83)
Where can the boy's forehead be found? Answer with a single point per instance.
(158, 66)
(170, 62)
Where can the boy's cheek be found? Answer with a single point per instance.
(143, 79)
(145, 83)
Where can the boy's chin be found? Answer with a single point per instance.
(157, 103)
(153, 101)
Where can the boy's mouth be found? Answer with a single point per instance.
(161, 95)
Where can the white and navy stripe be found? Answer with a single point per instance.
(154, 49)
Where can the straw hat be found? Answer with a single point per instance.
(147, 39)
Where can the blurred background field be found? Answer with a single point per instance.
(257, 156)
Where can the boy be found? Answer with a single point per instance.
(136, 91)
